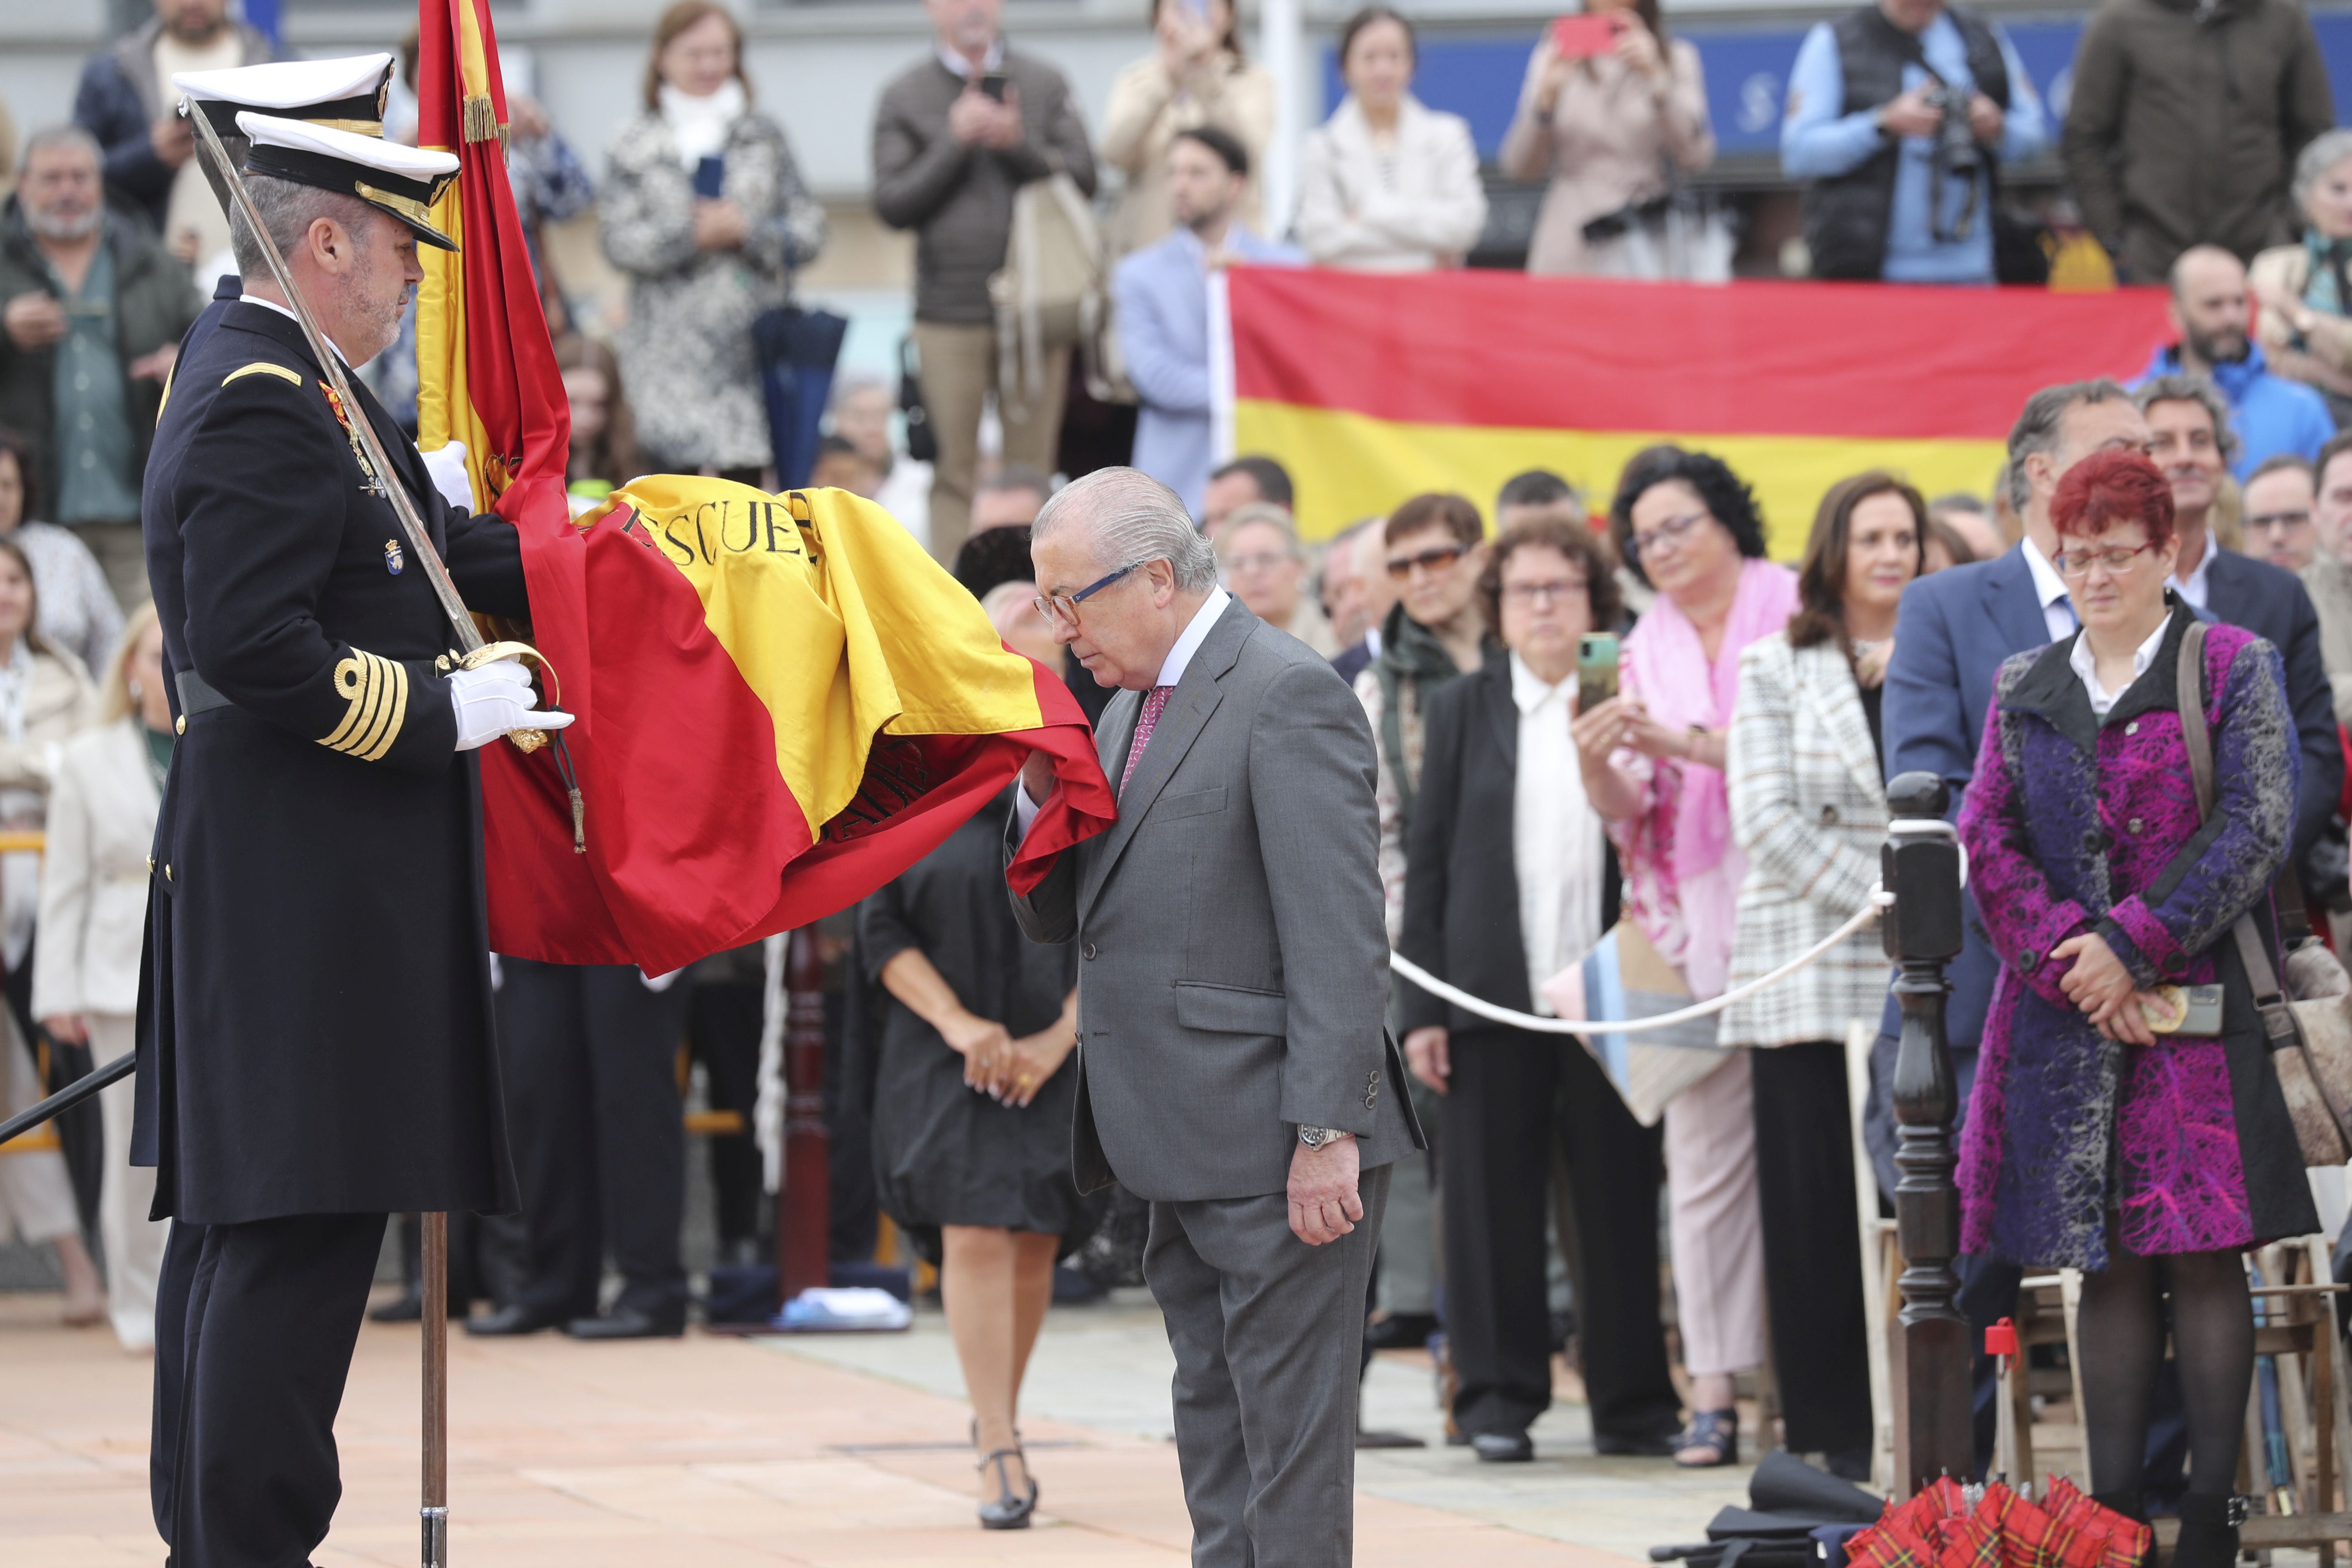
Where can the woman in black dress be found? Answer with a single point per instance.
(973, 1098)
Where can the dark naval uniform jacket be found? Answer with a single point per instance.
(314, 1011)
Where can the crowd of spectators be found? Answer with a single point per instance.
(1726, 803)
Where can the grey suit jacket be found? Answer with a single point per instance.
(1232, 961)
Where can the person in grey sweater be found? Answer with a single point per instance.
(955, 136)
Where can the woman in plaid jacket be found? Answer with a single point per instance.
(1809, 807)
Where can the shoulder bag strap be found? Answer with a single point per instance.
(2197, 741)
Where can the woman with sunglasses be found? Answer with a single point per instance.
(1652, 759)
(2097, 1138)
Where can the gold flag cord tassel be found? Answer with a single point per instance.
(481, 119)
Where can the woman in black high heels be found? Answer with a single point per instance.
(973, 1092)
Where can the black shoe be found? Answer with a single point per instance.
(1008, 1512)
(1400, 1331)
(1503, 1447)
(626, 1323)
(509, 1321)
(408, 1307)
(2209, 1531)
(1850, 1464)
(2131, 1503)
(1636, 1444)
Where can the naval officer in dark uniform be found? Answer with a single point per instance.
(315, 1044)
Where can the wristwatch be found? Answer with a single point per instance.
(1315, 1137)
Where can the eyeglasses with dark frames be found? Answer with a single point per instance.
(1064, 606)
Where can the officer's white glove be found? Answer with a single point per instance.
(494, 700)
(448, 467)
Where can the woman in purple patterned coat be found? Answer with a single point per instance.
(2095, 1140)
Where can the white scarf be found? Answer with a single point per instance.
(698, 126)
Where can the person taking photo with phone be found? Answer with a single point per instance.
(1510, 879)
(1900, 114)
(1808, 810)
(1653, 760)
(1612, 110)
(1195, 74)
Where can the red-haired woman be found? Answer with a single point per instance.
(2149, 1160)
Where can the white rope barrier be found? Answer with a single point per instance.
(1880, 899)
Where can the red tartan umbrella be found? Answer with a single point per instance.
(1938, 1529)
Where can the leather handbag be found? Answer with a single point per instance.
(2309, 1023)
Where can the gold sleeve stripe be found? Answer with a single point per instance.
(377, 689)
(263, 367)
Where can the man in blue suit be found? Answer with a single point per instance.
(2195, 444)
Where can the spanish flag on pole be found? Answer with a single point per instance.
(783, 701)
(1371, 387)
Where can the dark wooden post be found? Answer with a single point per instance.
(1929, 1360)
(804, 1199)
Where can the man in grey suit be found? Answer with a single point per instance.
(1233, 1067)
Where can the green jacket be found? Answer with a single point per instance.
(155, 304)
(2185, 122)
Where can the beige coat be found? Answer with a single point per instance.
(2278, 278)
(102, 808)
(1145, 112)
(2329, 582)
(1412, 207)
(1605, 147)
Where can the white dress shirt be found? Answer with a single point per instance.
(290, 315)
(2198, 586)
(1557, 848)
(2057, 606)
(1171, 670)
(2087, 665)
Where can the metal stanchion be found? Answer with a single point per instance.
(1934, 1421)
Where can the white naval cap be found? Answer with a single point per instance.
(346, 94)
(402, 180)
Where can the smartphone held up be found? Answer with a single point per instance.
(1596, 670)
(1587, 36)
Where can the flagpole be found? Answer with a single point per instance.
(435, 1320)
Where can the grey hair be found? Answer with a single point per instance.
(851, 382)
(2194, 389)
(288, 210)
(1130, 517)
(2036, 429)
(1271, 516)
(66, 135)
(2321, 153)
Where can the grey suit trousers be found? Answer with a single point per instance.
(1267, 1333)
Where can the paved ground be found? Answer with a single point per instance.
(834, 1451)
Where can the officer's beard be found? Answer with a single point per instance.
(374, 319)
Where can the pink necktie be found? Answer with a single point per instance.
(1145, 722)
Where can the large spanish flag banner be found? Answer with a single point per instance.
(783, 701)
(1372, 387)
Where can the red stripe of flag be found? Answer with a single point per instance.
(1760, 358)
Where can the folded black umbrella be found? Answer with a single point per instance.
(1784, 1483)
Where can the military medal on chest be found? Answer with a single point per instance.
(393, 559)
(369, 483)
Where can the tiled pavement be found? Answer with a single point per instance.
(836, 1451)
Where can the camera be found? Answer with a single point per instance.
(1956, 143)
